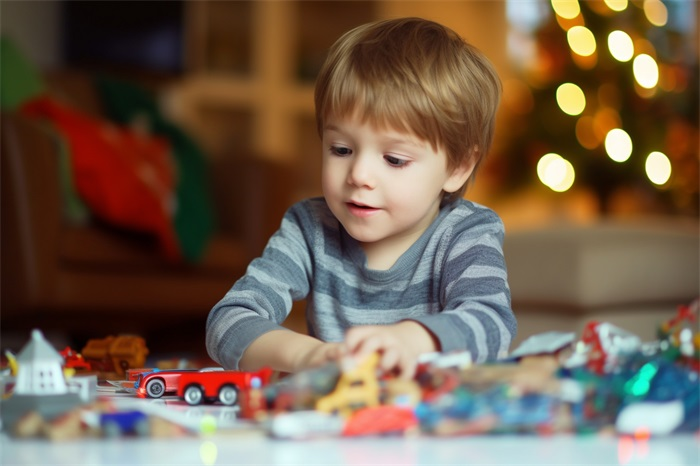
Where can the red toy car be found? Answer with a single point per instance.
(157, 383)
(222, 386)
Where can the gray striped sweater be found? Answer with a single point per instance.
(452, 280)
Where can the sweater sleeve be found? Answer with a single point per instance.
(476, 313)
(262, 299)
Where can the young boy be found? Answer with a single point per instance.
(392, 259)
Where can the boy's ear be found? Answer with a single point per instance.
(461, 173)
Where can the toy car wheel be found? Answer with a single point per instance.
(155, 388)
(228, 395)
(193, 395)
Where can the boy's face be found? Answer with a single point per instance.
(384, 186)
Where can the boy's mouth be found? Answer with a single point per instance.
(360, 210)
(358, 206)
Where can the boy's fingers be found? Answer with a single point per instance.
(368, 346)
(355, 337)
(390, 359)
(407, 367)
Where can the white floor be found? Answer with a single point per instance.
(256, 449)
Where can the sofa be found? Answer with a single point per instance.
(632, 273)
(89, 279)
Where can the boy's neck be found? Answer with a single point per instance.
(384, 256)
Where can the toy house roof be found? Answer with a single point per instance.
(38, 349)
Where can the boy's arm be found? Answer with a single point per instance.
(476, 312)
(261, 300)
(288, 351)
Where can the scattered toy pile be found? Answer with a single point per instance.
(606, 381)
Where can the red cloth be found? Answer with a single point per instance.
(126, 178)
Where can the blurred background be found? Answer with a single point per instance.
(599, 117)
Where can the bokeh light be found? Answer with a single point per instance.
(646, 71)
(616, 5)
(618, 145)
(581, 40)
(571, 99)
(556, 172)
(658, 168)
(567, 9)
(621, 46)
(656, 12)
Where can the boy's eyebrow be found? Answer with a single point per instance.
(331, 128)
(408, 139)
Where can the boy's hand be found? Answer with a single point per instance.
(399, 345)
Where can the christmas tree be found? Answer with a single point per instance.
(607, 100)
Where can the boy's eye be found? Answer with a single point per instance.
(341, 151)
(395, 161)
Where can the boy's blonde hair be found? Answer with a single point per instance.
(413, 75)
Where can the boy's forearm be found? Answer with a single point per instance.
(421, 339)
(281, 350)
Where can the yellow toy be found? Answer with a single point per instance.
(12, 362)
(357, 387)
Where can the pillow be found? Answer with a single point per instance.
(127, 179)
(126, 104)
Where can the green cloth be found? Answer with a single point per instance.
(194, 219)
(74, 209)
(19, 80)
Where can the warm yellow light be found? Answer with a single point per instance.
(555, 172)
(567, 9)
(658, 168)
(581, 40)
(543, 163)
(616, 5)
(571, 99)
(618, 145)
(621, 46)
(656, 12)
(646, 71)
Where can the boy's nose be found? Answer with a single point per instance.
(361, 173)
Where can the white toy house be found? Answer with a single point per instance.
(40, 368)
